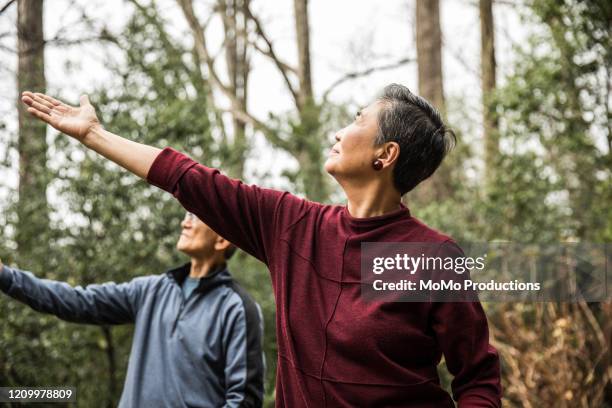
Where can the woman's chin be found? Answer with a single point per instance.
(330, 165)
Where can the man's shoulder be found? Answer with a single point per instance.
(241, 299)
(238, 293)
(153, 278)
(148, 284)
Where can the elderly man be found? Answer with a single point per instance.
(198, 335)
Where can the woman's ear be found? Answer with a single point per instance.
(389, 153)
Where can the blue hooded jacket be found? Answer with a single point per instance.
(203, 351)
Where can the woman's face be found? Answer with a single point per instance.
(352, 155)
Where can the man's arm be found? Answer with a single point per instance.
(244, 365)
(108, 303)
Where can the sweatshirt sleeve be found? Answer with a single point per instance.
(246, 215)
(108, 303)
(462, 332)
(244, 363)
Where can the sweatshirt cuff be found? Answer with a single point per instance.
(167, 168)
(6, 278)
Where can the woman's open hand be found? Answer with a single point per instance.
(73, 121)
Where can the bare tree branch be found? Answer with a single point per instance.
(203, 55)
(6, 6)
(283, 67)
(510, 3)
(201, 84)
(104, 36)
(365, 72)
(267, 53)
(462, 60)
(7, 34)
(270, 134)
(8, 49)
(229, 43)
(201, 47)
(302, 37)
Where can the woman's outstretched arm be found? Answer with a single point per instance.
(247, 215)
(82, 124)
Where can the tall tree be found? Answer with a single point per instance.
(429, 52)
(235, 24)
(32, 211)
(487, 68)
(307, 132)
(431, 87)
(302, 31)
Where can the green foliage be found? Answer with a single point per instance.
(118, 227)
(305, 135)
(552, 183)
(553, 174)
(555, 124)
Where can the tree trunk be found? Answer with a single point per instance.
(429, 52)
(303, 45)
(307, 136)
(32, 211)
(429, 61)
(487, 66)
(235, 24)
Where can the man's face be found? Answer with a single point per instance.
(353, 153)
(198, 239)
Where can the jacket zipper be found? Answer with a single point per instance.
(181, 308)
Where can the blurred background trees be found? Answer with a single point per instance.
(535, 167)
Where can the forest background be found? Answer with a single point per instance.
(258, 88)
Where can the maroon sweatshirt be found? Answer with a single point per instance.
(335, 349)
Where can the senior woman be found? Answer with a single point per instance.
(334, 348)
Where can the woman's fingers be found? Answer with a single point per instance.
(49, 99)
(34, 104)
(38, 97)
(27, 95)
(27, 99)
(40, 115)
(40, 107)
